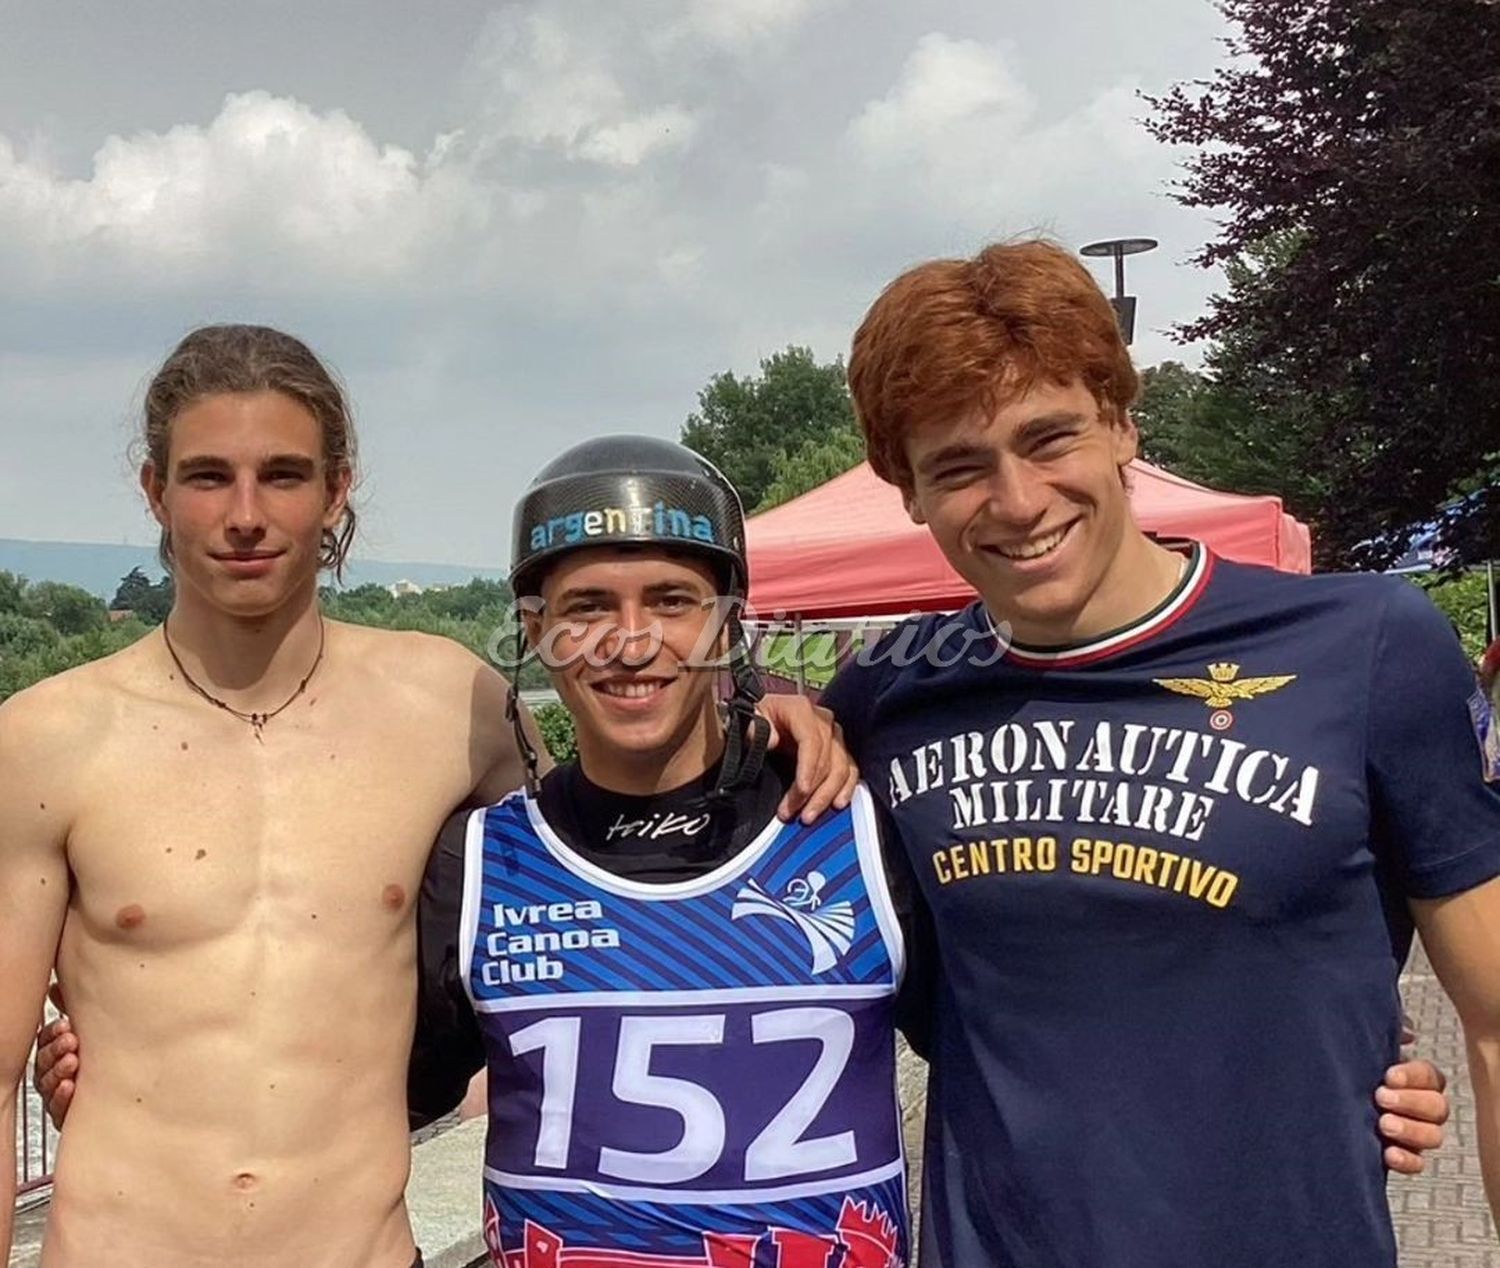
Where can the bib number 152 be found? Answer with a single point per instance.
(780, 1149)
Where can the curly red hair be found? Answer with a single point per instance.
(950, 337)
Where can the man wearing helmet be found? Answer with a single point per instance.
(686, 1006)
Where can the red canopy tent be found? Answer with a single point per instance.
(847, 548)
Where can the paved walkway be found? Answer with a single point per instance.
(1441, 1217)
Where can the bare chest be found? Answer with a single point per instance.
(193, 831)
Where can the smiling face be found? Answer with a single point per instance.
(624, 633)
(1028, 505)
(245, 500)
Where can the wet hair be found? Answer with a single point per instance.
(952, 337)
(236, 358)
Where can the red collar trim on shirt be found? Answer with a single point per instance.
(1175, 606)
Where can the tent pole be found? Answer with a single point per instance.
(1493, 632)
(801, 655)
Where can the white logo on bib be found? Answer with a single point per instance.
(829, 930)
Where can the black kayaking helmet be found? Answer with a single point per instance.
(644, 491)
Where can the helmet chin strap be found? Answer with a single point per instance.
(513, 714)
(746, 733)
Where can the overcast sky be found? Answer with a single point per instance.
(511, 226)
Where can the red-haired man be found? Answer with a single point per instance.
(1174, 838)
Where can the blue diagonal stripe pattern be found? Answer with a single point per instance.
(681, 943)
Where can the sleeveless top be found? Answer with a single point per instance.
(698, 1073)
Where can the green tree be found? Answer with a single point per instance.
(817, 462)
(22, 636)
(150, 601)
(12, 592)
(745, 425)
(1465, 602)
(1215, 427)
(68, 609)
(475, 600)
(1353, 144)
(134, 586)
(558, 732)
(52, 653)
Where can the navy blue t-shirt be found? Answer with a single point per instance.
(1168, 871)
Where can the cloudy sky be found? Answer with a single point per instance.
(511, 226)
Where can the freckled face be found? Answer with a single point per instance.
(1027, 504)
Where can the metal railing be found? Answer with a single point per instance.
(36, 1143)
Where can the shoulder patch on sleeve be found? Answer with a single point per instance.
(1487, 732)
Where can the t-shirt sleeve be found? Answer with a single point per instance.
(1432, 755)
(446, 1050)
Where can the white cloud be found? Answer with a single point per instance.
(629, 142)
(944, 84)
(607, 205)
(549, 78)
(960, 148)
(738, 23)
(267, 175)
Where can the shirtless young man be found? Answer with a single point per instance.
(213, 838)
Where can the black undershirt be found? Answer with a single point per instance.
(658, 839)
(662, 837)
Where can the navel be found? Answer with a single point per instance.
(393, 898)
(131, 916)
(245, 1181)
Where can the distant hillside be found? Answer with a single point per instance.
(97, 568)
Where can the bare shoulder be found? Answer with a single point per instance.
(66, 713)
(450, 686)
(431, 666)
(48, 734)
(408, 653)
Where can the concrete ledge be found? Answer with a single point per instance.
(444, 1197)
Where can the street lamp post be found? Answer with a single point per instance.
(1119, 248)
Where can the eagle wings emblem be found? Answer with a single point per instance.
(1223, 686)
